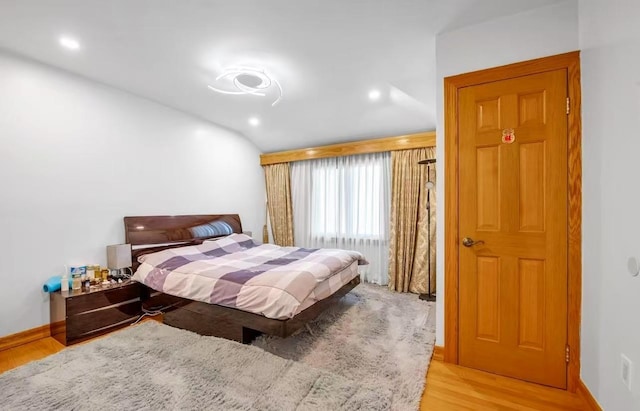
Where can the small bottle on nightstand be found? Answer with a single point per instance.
(64, 283)
(76, 284)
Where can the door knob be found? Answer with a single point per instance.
(469, 242)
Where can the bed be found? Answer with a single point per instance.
(208, 277)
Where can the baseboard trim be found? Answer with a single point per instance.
(438, 353)
(589, 399)
(25, 337)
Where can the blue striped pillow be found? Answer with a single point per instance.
(215, 229)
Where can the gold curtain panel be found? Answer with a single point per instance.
(409, 240)
(278, 182)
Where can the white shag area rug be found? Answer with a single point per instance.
(379, 338)
(155, 367)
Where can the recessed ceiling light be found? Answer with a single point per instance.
(69, 43)
(254, 121)
(374, 95)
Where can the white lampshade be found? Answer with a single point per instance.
(119, 256)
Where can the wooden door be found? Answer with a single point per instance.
(513, 204)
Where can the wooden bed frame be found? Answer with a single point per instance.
(157, 233)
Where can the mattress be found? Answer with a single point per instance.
(236, 272)
(331, 285)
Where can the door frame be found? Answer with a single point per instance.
(571, 63)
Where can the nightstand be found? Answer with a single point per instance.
(77, 315)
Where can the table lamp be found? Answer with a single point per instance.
(119, 258)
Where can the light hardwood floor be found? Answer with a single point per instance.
(449, 387)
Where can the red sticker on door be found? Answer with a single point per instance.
(508, 136)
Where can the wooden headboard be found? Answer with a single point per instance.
(175, 231)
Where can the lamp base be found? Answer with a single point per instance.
(121, 273)
(427, 297)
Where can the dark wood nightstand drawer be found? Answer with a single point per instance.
(80, 314)
(91, 322)
(105, 298)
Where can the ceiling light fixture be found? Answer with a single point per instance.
(254, 121)
(69, 43)
(247, 80)
(374, 95)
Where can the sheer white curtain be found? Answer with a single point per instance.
(344, 202)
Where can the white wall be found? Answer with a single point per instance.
(610, 43)
(537, 33)
(77, 156)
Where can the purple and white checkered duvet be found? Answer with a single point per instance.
(237, 272)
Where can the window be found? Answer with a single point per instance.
(347, 201)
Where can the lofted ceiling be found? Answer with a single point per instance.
(327, 55)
